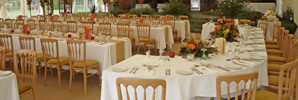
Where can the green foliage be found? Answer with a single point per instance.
(196, 24)
(177, 8)
(117, 11)
(265, 1)
(288, 15)
(231, 8)
(146, 11)
(209, 3)
(289, 25)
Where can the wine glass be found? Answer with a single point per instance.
(204, 57)
(230, 52)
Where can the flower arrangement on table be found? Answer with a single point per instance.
(269, 15)
(225, 28)
(195, 46)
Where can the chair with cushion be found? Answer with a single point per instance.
(144, 36)
(2, 58)
(144, 83)
(7, 43)
(72, 26)
(32, 24)
(18, 24)
(25, 67)
(171, 22)
(50, 50)
(183, 17)
(77, 18)
(127, 32)
(79, 63)
(281, 36)
(284, 58)
(264, 26)
(29, 44)
(104, 24)
(55, 24)
(245, 21)
(285, 83)
(8, 23)
(275, 35)
(104, 30)
(249, 79)
(273, 68)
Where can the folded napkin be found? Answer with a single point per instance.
(220, 44)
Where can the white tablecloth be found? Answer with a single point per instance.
(183, 30)
(9, 87)
(105, 54)
(181, 87)
(270, 29)
(207, 29)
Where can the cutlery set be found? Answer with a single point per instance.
(219, 67)
(196, 70)
(134, 70)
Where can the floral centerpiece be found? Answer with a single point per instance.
(225, 28)
(269, 15)
(195, 46)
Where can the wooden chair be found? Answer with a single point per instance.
(34, 18)
(250, 79)
(29, 44)
(40, 17)
(2, 23)
(264, 26)
(105, 24)
(7, 43)
(32, 24)
(144, 36)
(145, 83)
(55, 24)
(183, 17)
(104, 30)
(121, 15)
(77, 18)
(145, 16)
(63, 28)
(133, 16)
(89, 24)
(287, 81)
(127, 32)
(285, 57)
(102, 20)
(18, 24)
(2, 58)
(157, 16)
(50, 49)
(42, 25)
(78, 61)
(25, 67)
(99, 15)
(171, 22)
(279, 44)
(8, 23)
(123, 25)
(245, 21)
(72, 26)
(276, 31)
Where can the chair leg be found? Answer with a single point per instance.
(155, 48)
(138, 48)
(99, 75)
(51, 70)
(145, 46)
(39, 66)
(70, 79)
(149, 47)
(33, 94)
(59, 75)
(85, 82)
(45, 76)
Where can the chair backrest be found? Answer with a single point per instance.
(121, 15)
(76, 51)
(27, 43)
(55, 24)
(42, 25)
(8, 23)
(156, 16)
(88, 23)
(105, 24)
(293, 47)
(143, 31)
(133, 16)
(171, 22)
(104, 30)
(101, 19)
(264, 26)
(25, 65)
(288, 74)
(288, 39)
(63, 28)
(2, 58)
(6, 41)
(125, 32)
(145, 83)
(276, 32)
(32, 24)
(50, 48)
(183, 17)
(40, 17)
(245, 21)
(77, 18)
(281, 38)
(72, 26)
(1, 20)
(144, 16)
(19, 23)
(249, 78)
(123, 25)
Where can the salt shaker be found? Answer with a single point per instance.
(148, 54)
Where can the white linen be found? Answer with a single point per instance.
(74, 8)
(207, 29)
(183, 31)
(9, 87)
(24, 7)
(100, 5)
(105, 54)
(181, 87)
(270, 29)
(278, 9)
(3, 10)
(262, 7)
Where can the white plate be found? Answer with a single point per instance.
(258, 48)
(119, 69)
(233, 66)
(184, 72)
(5, 73)
(257, 57)
(259, 42)
(259, 32)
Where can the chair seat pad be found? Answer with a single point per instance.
(146, 40)
(276, 58)
(9, 54)
(174, 31)
(274, 67)
(39, 57)
(274, 51)
(266, 95)
(89, 63)
(273, 80)
(270, 42)
(61, 60)
(272, 46)
(23, 87)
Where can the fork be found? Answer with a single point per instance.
(137, 68)
(132, 69)
(194, 69)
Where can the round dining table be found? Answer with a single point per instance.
(193, 86)
(8, 87)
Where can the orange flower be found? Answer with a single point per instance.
(226, 31)
(191, 46)
(186, 44)
(217, 27)
(195, 41)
